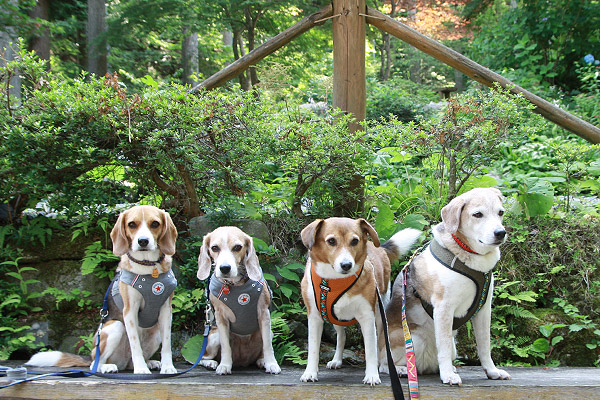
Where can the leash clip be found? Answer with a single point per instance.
(103, 315)
(209, 316)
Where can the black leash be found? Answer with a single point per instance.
(394, 378)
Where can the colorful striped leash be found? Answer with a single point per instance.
(411, 367)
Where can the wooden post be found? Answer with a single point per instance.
(482, 74)
(349, 84)
(270, 46)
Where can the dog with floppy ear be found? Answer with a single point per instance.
(449, 283)
(139, 306)
(240, 297)
(343, 272)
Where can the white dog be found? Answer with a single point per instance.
(450, 282)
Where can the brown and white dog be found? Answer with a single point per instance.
(471, 232)
(144, 237)
(343, 271)
(240, 298)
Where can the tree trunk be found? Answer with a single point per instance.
(189, 53)
(8, 47)
(96, 37)
(250, 28)
(40, 42)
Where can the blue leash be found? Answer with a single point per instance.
(119, 375)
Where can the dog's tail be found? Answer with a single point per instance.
(400, 243)
(58, 359)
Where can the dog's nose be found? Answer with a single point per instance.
(346, 265)
(225, 269)
(499, 233)
(143, 241)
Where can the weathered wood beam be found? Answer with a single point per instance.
(270, 46)
(482, 74)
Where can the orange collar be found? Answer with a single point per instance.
(328, 291)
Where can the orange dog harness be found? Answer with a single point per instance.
(328, 291)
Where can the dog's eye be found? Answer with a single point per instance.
(331, 241)
(501, 212)
(154, 224)
(478, 215)
(132, 225)
(237, 247)
(215, 248)
(354, 242)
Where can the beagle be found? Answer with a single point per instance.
(450, 282)
(343, 272)
(240, 298)
(139, 306)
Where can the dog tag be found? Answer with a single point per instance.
(226, 289)
(155, 273)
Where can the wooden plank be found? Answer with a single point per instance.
(481, 74)
(270, 46)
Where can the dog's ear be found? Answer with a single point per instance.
(309, 233)
(366, 227)
(204, 261)
(168, 236)
(119, 236)
(451, 214)
(251, 261)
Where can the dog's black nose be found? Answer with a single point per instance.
(499, 233)
(143, 241)
(346, 266)
(225, 268)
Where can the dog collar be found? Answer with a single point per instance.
(463, 246)
(328, 291)
(149, 263)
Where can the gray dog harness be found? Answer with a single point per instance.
(154, 290)
(242, 300)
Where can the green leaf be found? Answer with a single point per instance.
(556, 340)
(384, 223)
(192, 348)
(416, 221)
(288, 274)
(541, 345)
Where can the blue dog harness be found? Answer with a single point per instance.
(242, 300)
(154, 290)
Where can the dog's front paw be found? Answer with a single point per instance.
(223, 369)
(153, 364)
(210, 364)
(272, 368)
(168, 369)
(372, 379)
(309, 376)
(334, 364)
(497, 374)
(141, 370)
(108, 368)
(451, 379)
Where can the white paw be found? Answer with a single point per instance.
(334, 364)
(210, 364)
(497, 374)
(372, 379)
(451, 379)
(272, 368)
(153, 364)
(143, 370)
(383, 369)
(168, 369)
(108, 368)
(401, 370)
(223, 369)
(260, 363)
(309, 376)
